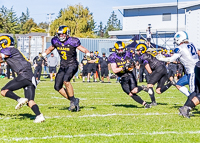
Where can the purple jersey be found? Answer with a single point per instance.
(152, 61)
(66, 50)
(18, 62)
(120, 61)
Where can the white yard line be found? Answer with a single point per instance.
(101, 115)
(98, 135)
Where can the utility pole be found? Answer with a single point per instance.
(177, 18)
(49, 15)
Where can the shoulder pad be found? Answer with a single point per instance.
(111, 58)
(177, 50)
(75, 42)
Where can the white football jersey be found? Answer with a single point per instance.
(188, 56)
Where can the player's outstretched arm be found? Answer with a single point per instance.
(115, 69)
(169, 59)
(83, 49)
(48, 51)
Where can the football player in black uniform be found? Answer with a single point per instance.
(38, 61)
(158, 74)
(121, 65)
(91, 66)
(84, 65)
(24, 79)
(194, 98)
(103, 66)
(96, 53)
(66, 47)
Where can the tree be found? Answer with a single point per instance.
(24, 18)
(39, 30)
(78, 19)
(113, 24)
(27, 26)
(9, 21)
(43, 25)
(100, 30)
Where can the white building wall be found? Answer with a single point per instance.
(193, 26)
(138, 19)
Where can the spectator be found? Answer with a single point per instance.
(37, 61)
(52, 63)
(103, 66)
(148, 33)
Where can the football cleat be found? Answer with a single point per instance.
(146, 89)
(147, 106)
(21, 102)
(185, 111)
(74, 106)
(153, 103)
(39, 119)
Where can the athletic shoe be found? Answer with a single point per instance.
(21, 102)
(39, 119)
(153, 103)
(147, 106)
(102, 81)
(185, 111)
(74, 105)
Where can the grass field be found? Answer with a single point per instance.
(107, 115)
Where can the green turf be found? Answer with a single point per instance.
(107, 115)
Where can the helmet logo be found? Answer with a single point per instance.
(5, 39)
(178, 36)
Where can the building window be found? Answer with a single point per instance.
(166, 17)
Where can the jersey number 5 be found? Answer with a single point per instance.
(64, 56)
(192, 49)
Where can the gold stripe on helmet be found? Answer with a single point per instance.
(65, 29)
(116, 46)
(8, 39)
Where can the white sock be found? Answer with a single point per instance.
(184, 90)
(83, 78)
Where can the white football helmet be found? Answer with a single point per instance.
(180, 37)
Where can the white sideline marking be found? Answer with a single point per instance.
(114, 114)
(101, 115)
(99, 135)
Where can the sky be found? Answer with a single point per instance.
(101, 9)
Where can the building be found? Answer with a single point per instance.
(165, 20)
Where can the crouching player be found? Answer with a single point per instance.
(25, 78)
(121, 65)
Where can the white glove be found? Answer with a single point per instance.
(159, 56)
(87, 55)
(44, 54)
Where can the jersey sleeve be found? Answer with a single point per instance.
(6, 51)
(53, 41)
(75, 42)
(111, 59)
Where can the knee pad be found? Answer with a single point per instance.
(57, 88)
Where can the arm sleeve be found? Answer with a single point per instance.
(171, 59)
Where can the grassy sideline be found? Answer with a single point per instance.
(107, 115)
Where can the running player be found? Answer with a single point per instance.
(187, 53)
(121, 65)
(24, 79)
(66, 47)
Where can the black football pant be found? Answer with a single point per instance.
(37, 72)
(128, 83)
(18, 83)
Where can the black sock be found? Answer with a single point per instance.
(72, 98)
(36, 110)
(12, 95)
(189, 103)
(165, 87)
(137, 98)
(139, 89)
(152, 95)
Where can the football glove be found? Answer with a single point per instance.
(127, 67)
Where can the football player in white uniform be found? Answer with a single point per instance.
(188, 55)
